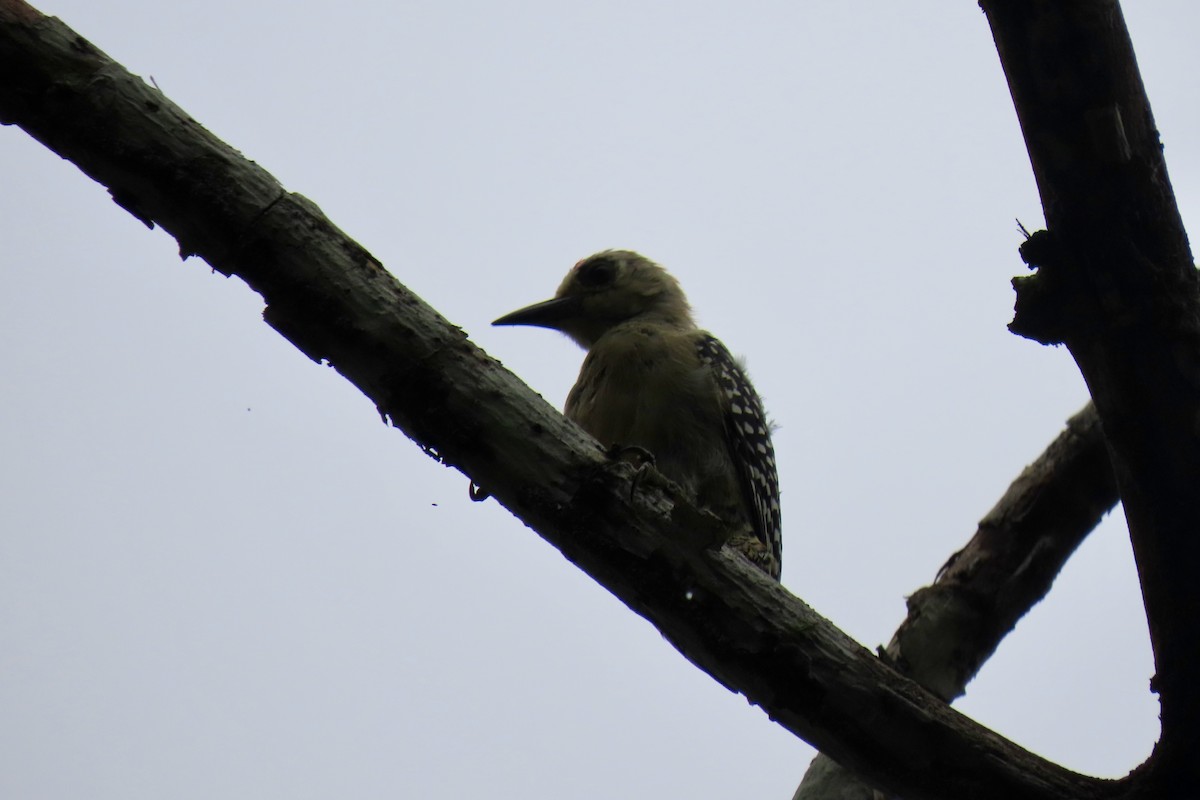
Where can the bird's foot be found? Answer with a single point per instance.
(638, 457)
(631, 454)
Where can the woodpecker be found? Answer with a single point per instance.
(653, 380)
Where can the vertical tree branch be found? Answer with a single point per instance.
(1115, 282)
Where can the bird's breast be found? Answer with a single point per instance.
(645, 386)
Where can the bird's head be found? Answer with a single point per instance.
(604, 290)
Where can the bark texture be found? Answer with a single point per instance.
(1116, 284)
(954, 625)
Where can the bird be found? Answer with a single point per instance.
(653, 381)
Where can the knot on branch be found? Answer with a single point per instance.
(1039, 309)
(1101, 276)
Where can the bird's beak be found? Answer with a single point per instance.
(547, 314)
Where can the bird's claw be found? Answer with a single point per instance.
(631, 454)
(639, 457)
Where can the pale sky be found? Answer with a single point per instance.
(222, 576)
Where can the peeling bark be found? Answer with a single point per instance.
(954, 625)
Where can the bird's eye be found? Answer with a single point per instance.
(597, 272)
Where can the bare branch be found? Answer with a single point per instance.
(1115, 282)
(1009, 565)
(1021, 545)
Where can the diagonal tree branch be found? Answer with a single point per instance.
(641, 541)
(1010, 564)
(954, 625)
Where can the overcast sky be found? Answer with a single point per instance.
(222, 576)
